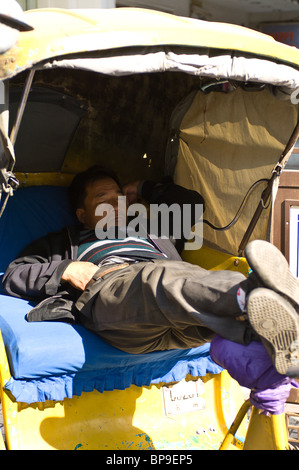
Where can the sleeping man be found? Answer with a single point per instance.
(137, 294)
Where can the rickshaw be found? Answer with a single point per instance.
(150, 95)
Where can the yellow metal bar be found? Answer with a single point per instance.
(228, 440)
(3, 360)
(2, 443)
(264, 432)
(215, 260)
(44, 179)
(228, 407)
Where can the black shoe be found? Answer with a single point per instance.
(276, 322)
(272, 270)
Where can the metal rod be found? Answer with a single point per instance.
(17, 124)
(267, 192)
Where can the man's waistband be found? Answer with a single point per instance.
(83, 302)
(105, 270)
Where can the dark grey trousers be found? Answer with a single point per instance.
(163, 305)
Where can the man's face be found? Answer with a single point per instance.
(103, 191)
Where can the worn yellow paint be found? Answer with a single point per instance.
(135, 419)
(266, 432)
(215, 260)
(44, 179)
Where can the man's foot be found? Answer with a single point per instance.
(272, 270)
(276, 322)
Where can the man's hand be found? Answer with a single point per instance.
(79, 273)
(130, 190)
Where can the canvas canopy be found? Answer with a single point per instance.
(151, 60)
(59, 33)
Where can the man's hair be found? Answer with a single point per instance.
(77, 189)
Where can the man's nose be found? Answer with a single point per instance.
(114, 202)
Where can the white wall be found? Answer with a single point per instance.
(178, 7)
(255, 20)
(75, 3)
(27, 4)
(214, 10)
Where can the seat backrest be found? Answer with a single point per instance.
(30, 214)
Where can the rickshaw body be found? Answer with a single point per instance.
(149, 95)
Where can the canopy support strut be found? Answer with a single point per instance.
(17, 124)
(8, 181)
(268, 190)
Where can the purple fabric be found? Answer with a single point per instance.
(252, 367)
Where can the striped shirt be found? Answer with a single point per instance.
(130, 248)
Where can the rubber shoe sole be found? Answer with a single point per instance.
(276, 322)
(272, 269)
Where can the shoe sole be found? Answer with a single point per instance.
(272, 269)
(275, 320)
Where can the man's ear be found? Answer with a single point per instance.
(80, 213)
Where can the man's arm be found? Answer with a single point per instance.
(44, 266)
(159, 193)
(170, 193)
(33, 278)
(37, 272)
